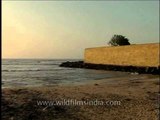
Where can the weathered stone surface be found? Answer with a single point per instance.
(128, 55)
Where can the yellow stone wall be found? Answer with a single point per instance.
(134, 55)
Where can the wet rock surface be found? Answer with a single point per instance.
(133, 69)
(77, 64)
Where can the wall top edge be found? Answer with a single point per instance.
(124, 46)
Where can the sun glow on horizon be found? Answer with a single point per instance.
(52, 29)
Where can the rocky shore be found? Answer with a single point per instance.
(138, 96)
(133, 69)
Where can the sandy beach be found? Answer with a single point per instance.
(138, 96)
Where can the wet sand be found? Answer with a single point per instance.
(138, 95)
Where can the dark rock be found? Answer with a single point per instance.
(78, 64)
(132, 69)
(96, 84)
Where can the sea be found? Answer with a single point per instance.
(46, 72)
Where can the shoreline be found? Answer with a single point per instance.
(132, 69)
(138, 95)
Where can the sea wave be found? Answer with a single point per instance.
(30, 64)
(32, 70)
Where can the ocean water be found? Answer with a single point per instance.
(43, 72)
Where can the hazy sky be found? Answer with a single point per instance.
(52, 29)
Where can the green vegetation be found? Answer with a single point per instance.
(118, 40)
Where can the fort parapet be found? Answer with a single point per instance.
(143, 58)
(142, 55)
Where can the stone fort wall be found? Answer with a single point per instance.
(146, 55)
